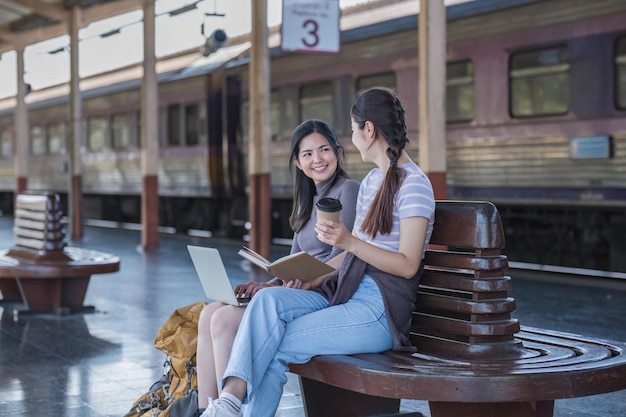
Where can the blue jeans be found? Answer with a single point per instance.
(285, 325)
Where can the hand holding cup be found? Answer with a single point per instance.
(334, 234)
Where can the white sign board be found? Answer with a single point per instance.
(310, 26)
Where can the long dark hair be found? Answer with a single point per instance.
(303, 186)
(381, 107)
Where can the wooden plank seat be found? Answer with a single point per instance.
(473, 358)
(38, 222)
(40, 270)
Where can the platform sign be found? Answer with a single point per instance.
(310, 26)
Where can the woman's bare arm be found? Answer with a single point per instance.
(404, 263)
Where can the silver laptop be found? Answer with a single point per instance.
(213, 276)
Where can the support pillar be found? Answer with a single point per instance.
(432, 93)
(260, 198)
(20, 120)
(215, 136)
(149, 135)
(75, 193)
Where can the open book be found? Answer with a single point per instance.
(299, 265)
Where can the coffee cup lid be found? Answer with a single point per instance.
(328, 204)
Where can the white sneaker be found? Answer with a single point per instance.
(220, 408)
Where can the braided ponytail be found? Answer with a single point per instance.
(383, 109)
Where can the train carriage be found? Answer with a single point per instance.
(535, 110)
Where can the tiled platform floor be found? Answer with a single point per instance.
(94, 365)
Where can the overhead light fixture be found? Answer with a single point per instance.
(215, 14)
(183, 9)
(110, 33)
(58, 50)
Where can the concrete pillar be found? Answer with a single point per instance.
(22, 133)
(260, 197)
(432, 93)
(75, 194)
(149, 135)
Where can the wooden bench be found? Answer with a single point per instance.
(473, 359)
(40, 271)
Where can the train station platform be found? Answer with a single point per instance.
(98, 364)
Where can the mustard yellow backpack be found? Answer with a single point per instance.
(175, 394)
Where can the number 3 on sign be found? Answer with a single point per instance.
(310, 26)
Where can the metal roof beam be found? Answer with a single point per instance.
(5, 34)
(49, 10)
(90, 14)
(110, 9)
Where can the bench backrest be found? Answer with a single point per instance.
(463, 310)
(38, 221)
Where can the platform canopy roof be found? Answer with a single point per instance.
(25, 22)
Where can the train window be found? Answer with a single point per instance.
(539, 82)
(56, 138)
(192, 124)
(460, 91)
(620, 71)
(173, 125)
(5, 144)
(122, 130)
(37, 140)
(275, 115)
(387, 79)
(97, 133)
(316, 102)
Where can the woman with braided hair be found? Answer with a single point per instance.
(367, 307)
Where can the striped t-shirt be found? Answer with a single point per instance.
(414, 199)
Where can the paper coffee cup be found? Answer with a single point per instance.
(328, 208)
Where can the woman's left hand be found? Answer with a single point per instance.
(297, 284)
